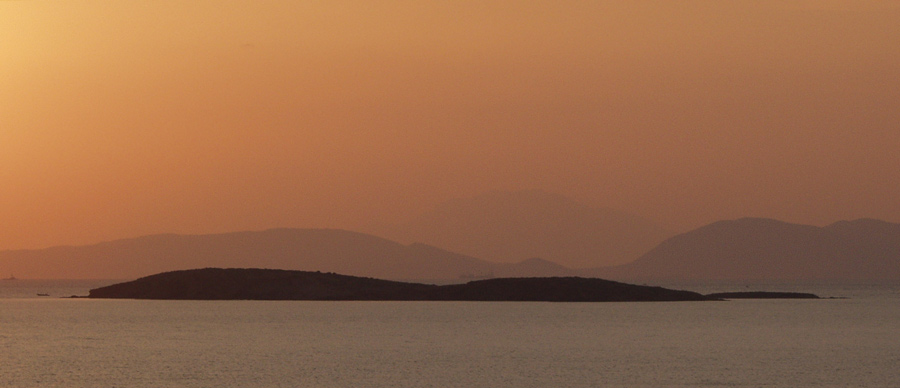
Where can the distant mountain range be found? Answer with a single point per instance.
(765, 249)
(329, 250)
(512, 226)
(744, 249)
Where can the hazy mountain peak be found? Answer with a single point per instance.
(509, 226)
(523, 204)
(745, 222)
(537, 260)
(766, 249)
(332, 250)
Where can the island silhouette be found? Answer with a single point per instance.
(272, 284)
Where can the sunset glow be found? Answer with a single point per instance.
(119, 119)
(456, 193)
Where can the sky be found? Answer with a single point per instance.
(119, 119)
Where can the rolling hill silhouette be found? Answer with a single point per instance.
(765, 249)
(744, 249)
(512, 226)
(330, 250)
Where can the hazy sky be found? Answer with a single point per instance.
(123, 118)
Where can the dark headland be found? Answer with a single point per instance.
(270, 284)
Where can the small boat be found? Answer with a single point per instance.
(43, 294)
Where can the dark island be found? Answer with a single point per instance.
(270, 284)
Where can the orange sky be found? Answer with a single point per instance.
(119, 119)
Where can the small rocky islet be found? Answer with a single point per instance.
(762, 295)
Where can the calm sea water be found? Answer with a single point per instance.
(55, 342)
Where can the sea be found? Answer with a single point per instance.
(849, 339)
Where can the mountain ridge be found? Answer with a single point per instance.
(768, 249)
(313, 249)
(509, 226)
(740, 249)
